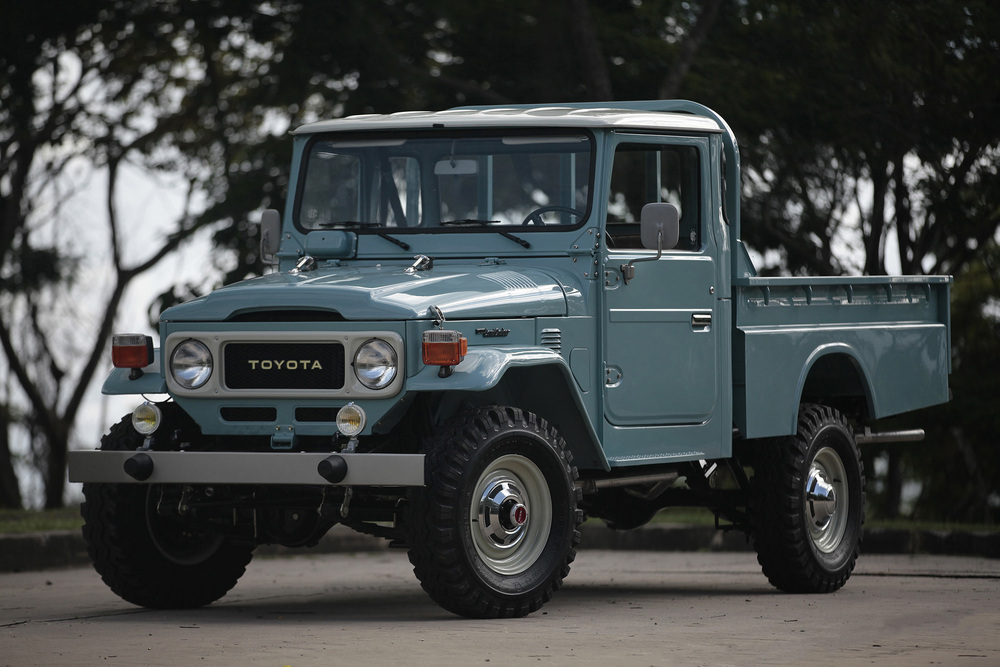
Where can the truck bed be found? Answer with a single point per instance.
(881, 339)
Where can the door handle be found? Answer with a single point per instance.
(701, 320)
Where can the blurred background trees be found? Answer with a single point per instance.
(868, 135)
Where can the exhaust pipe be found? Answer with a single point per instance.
(867, 437)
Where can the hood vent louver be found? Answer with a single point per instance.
(552, 339)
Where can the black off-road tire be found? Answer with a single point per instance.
(146, 559)
(806, 542)
(474, 550)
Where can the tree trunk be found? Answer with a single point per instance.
(893, 484)
(10, 490)
(55, 473)
(874, 249)
(671, 84)
(588, 47)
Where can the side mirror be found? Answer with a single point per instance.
(659, 229)
(270, 236)
(659, 226)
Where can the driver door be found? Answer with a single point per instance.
(661, 346)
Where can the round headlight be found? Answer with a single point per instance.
(191, 364)
(375, 364)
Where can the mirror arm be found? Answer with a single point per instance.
(628, 270)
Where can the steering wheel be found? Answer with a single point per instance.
(536, 215)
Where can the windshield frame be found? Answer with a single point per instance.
(531, 136)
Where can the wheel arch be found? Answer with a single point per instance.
(834, 375)
(537, 380)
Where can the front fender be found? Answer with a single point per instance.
(484, 367)
(151, 382)
(541, 380)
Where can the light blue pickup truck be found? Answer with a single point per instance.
(484, 324)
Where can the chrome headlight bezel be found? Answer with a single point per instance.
(376, 364)
(191, 364)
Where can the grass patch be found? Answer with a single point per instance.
(910, 524)
(33, 521)
(68, 518)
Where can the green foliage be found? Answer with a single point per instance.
(866, 129)
(857, 119)
(958, 463)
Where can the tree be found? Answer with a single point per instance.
(119, 85)
(867, 133)
(961, 482)
(865, 128)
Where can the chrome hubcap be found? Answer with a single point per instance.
(511, 514)
(821, 499)
(503, 514)
(826, 501)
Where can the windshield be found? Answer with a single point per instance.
(434, 183)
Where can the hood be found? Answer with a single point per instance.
(386, 293)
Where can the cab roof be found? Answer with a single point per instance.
(520, 117)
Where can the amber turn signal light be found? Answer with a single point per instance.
(445, 348)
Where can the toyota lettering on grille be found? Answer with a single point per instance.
(270, 365)
(285, 364)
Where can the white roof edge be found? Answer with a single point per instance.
(495, 117)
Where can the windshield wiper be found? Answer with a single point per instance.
(348, 224)
(515, 239)
(404, 246)
(468, 222)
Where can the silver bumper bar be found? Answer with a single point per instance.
(247, 468)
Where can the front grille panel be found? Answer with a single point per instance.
(301, 366)
(321, 415)
(251, 414)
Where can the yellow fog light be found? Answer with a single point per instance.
(146, 418)
(351, 420)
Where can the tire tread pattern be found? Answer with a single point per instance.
(780, 535)
(118, 541)
(436, 553)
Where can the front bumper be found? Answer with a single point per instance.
(286, 468)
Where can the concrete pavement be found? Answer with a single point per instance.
(639, 608)
(39, 551)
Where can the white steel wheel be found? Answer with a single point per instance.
(495, 528)
(807, 503)
(826, 500)
(511, 522)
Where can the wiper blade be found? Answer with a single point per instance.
(404, 246)
(348, 224)
(515, 239)
(468, 222)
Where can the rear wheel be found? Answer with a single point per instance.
(495, 530)
(808, 504)
(148, 559)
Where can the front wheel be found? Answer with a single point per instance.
(495, 530)
(148, 559)
(807, 509)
